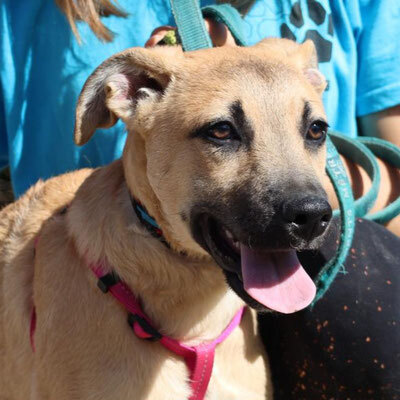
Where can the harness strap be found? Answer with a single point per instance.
(199, 359)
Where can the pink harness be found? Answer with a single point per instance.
(199, 359)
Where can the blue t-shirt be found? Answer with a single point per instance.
(43, 68)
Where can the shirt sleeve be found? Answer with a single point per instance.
(378, 48)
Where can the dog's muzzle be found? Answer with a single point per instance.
(259, 259)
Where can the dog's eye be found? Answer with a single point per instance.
(221, 131)
(317, 131)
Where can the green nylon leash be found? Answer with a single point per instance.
(391, 154)
(191, 28)
(363, 151)
(357, 152)
(230, 17)
(337, 175)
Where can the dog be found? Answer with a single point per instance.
(226, 155)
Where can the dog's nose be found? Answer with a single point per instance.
(307, 217)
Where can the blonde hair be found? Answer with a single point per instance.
(90, 11)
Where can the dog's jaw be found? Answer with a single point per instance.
(265, 278)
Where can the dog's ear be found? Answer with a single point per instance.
(114, 88)
(303, 56)
(308, 59)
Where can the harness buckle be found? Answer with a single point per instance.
(150, 333)
(105, 282)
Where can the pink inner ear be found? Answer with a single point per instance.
(315, 77)
(125, 86)
(122, 85)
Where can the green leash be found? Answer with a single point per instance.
(361, 155)
(344, 193)
(191, 27)
(230, 17)
(363, 151)
(391, 154)
(193, 35)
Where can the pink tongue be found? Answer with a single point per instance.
(276, 279)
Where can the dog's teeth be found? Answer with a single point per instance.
(234, 243)
(229, 235)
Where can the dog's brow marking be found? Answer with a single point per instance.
(183, 216)
(305, 119)
(241, 122)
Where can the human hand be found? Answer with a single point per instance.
(219, 34)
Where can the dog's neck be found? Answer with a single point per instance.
(185, 297)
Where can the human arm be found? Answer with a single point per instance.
(383, 124)
(389, 189)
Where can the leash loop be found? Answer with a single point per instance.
(391, 154)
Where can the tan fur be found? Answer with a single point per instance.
(84, 347)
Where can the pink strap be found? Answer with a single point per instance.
(200, 365)
(199, 359)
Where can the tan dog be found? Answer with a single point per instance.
(225, 150)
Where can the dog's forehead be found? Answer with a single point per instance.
(233, 62)
(211, 81)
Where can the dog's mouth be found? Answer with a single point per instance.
(264, 278)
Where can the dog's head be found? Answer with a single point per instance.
(226, 151)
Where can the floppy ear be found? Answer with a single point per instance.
(304, 56)
(114, 88)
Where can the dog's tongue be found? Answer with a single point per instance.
(276, 279)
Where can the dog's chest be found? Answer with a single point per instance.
(157, 377)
